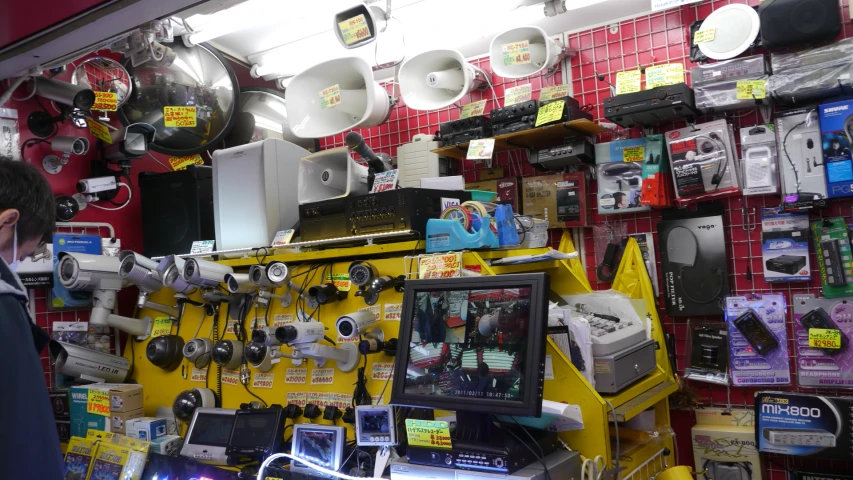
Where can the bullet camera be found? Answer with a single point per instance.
(300, 332)
(204, 273)
(266, 336)
(373, 345)
(302, 336)
(380, 284)
(239, 283)
(228, 354)
(357, 323)
(198, 351)
(361, 274)
(142, 272)
(65, 93)
(68, 146)
(170, 269)
(165, 351)
(273, 274)
(261, 356)
(85, 364)
(326, 293)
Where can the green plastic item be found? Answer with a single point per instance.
(482, 195)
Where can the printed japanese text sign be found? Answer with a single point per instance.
(519, 94)
(322, 376)
(296, 375)
(100, 131)
(354, 29)
(516, 53)
(425, 433)
(382, 371)
(751, 89)
(330, 97)
(473, 109)
(440, 266)
(181, 163)
(198, 375)
(162, 326)
(553, 92)
(634, 154)
(262, 380)
(481, 149)
(98, 402)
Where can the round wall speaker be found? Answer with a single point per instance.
(736, 27)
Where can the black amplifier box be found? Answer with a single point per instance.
(650, 107)
(464, 125)
(466, 136)
(514, 112)
(519, 124)
(570, 111)
(559, 157)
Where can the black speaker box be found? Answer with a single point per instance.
(791, 22)
(177, 210)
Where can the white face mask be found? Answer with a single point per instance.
(15, 261)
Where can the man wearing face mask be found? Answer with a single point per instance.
(28, 432)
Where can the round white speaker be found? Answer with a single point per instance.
(359, 102)
(736, 27)
(544, 52)
(436, 79)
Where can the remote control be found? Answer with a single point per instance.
(753, 329)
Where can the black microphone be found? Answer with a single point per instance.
(356, 142)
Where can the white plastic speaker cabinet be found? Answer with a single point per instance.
(545, 52)
(330, 174)
(436, 79)
(363, 102)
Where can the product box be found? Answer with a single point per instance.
(559, 199)
(60, 402)
(505, 188)
(694, 264)
(836, 132)
(135, 463)
(704, 164)
(785, 245)
(724, 445)
(125, 398)
(759, 160)
(834, 259)
(657, 187)
(61, 297)
(804, 424)
(619, 171)
(63, 429)
(81, 420)
(78, 457)
(37, 269)
(109, 461)
(749, 367)
(820, 367)
(118, 420)
(802, 170)
(145, 428)
(167, 445)
(646, 243)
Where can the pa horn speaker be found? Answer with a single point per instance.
(436, 79)
(523, 51)
(335, 96)
(330, 174)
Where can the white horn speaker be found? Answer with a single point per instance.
(316, 111)
(436, 79)
(330, 174)
(510, 57)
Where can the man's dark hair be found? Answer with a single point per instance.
(23, 188)
(618, 197)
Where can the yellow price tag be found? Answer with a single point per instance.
(516, 53)
(341, 281)
(105, 102)
(100, 131)
(473, 109)
(98, 402)
(330, 97)
(181, 163)
(553, 92)
(661, 75)
(628, 82)
(481, 149)
(354, 29)
(262, 380)
(634, 154)
(198, 375)
(751, 89)
(550, 112)
(824, 338)
(703, 36)
(519, 94)
(179, 116)
(425, 433)
(162, 326)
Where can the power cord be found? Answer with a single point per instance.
(361, 396)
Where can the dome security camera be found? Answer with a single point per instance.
(273, 274)
(261, 356)
(165, 351)
(204, 273)
(358, 323)
(228, 354)
(198, 351)
(188, 401)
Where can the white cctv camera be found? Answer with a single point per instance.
(302, 336)
(228, 354)
(266, 336)
(358, 323)
(239, 283)
(273, 274)
(198, 351)
(204, 273)
(262, 357)
(300, 332)
(68, 146)
(142, 272)
(170, 269)
(79, 362)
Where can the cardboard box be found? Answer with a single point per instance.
(118, 420)
(505, 188)
(145, 428)
(60, 403)
(724, 445)
(166, 445)
(835, 131)
(562, 195)
(126, 398)
(81, 421)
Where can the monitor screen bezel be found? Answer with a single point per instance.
(531, 403)
(275, 438)
(295, 449)
(188, 450)
(392, 429)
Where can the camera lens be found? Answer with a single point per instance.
(255, 352)
(190, 268)
(286, 334)
(256, 275)
(346, 329)
(259, 336)
(233, 285)
(67, 269)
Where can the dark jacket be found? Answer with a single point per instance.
(29, 444)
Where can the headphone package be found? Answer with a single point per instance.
(704, 164)
(724, 445)
(759, 160)
(785, 245)
(619, 171)
(801, 158)
(708, 353)
(657, 189)
(836, 125)
(823, 367)
(758, 343)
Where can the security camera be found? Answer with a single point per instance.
(204, 273)
(65, 93)
(198, 351)
(326, 293)
(300, 332)
(97, 184)
(373, 345)
(80, 362)
(188, 401)
(357, 323)
(228, 354)
(239, 283)
(165, 351)
(266, 336)
(302, 336)
(142, 272)
(68, 146)
(361, 274)
(273, 274)
(170, 269)
(261, 356)
(128, 143)
(378, 285)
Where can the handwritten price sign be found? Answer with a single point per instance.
(198, 375)
(262, 380)
(98, 402)
(382, 371)
(341, 339)
(181, 163)
(424, 433)
(230, 377)
(824, 338)
(354, 29)
(295, 375)
(473, 109)
(628, 82)
(550, 112)
(634, 154)
(661, 75)
(330, 97)
(703, 36)
(100, 131)
(341, 281)
(553, 92)
(179, 116)
(519, 94)
(162, 326)
(481, 149)
(440, 266)
(340, 400)
(751, 89)
(321, 399)
(322, 376)
(296, 398)
(393, 311)
(517, 53)
(376, 310)
(229, 327)
(105, 102)
(282, 319)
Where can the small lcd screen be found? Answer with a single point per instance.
(253, 430)
(470, 344)
(317, 446)
(211, 429)
(374, 421)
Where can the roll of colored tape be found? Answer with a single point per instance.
(476, 207)
(459, 214)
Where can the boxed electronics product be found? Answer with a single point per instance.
(657, 187)
(818, 366)
(619, 170)
(558, 199)
(758, 342)
(834, 259)
(836, 128)
(804, 424)
(808, 75)
(61, 297)
(109, 462)
(724, 445)
(125, 398)
(704, 165)
(61, 404)
(707, 353)
(785, 245)
(759, 162)
(693, 262)
(118, 420)
(63, 429)
(715, 84)
(81, 419)
(505, 188)
(78, 457)
(801, 158)
(167, 445)
(146, 428)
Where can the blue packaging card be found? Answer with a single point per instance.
(836, 126)
(61, 297)
(748, 366)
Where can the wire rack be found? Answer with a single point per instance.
(650, 468)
